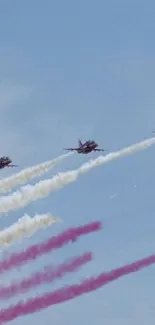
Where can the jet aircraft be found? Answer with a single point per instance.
(86, 147)
(5, 162)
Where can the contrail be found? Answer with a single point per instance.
(31, 193)
(25, 175)
(32, 252)
(25, 227)
(47, 276)
(71, 292)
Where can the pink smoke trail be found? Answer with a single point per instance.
(48, 275)
(34, 251)
(70, 292)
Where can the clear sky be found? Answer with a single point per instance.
(84, 69)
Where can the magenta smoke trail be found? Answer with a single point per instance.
(49, 275)
(34, 251)
(70, 292)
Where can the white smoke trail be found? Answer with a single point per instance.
(25, 227)
(25, 175)
(31, 193)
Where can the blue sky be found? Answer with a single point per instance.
(86, 70)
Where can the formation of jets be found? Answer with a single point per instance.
(83, 148)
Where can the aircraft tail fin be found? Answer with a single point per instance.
(80, 143)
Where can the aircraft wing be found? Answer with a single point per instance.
(71, 149)
(100, 150)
